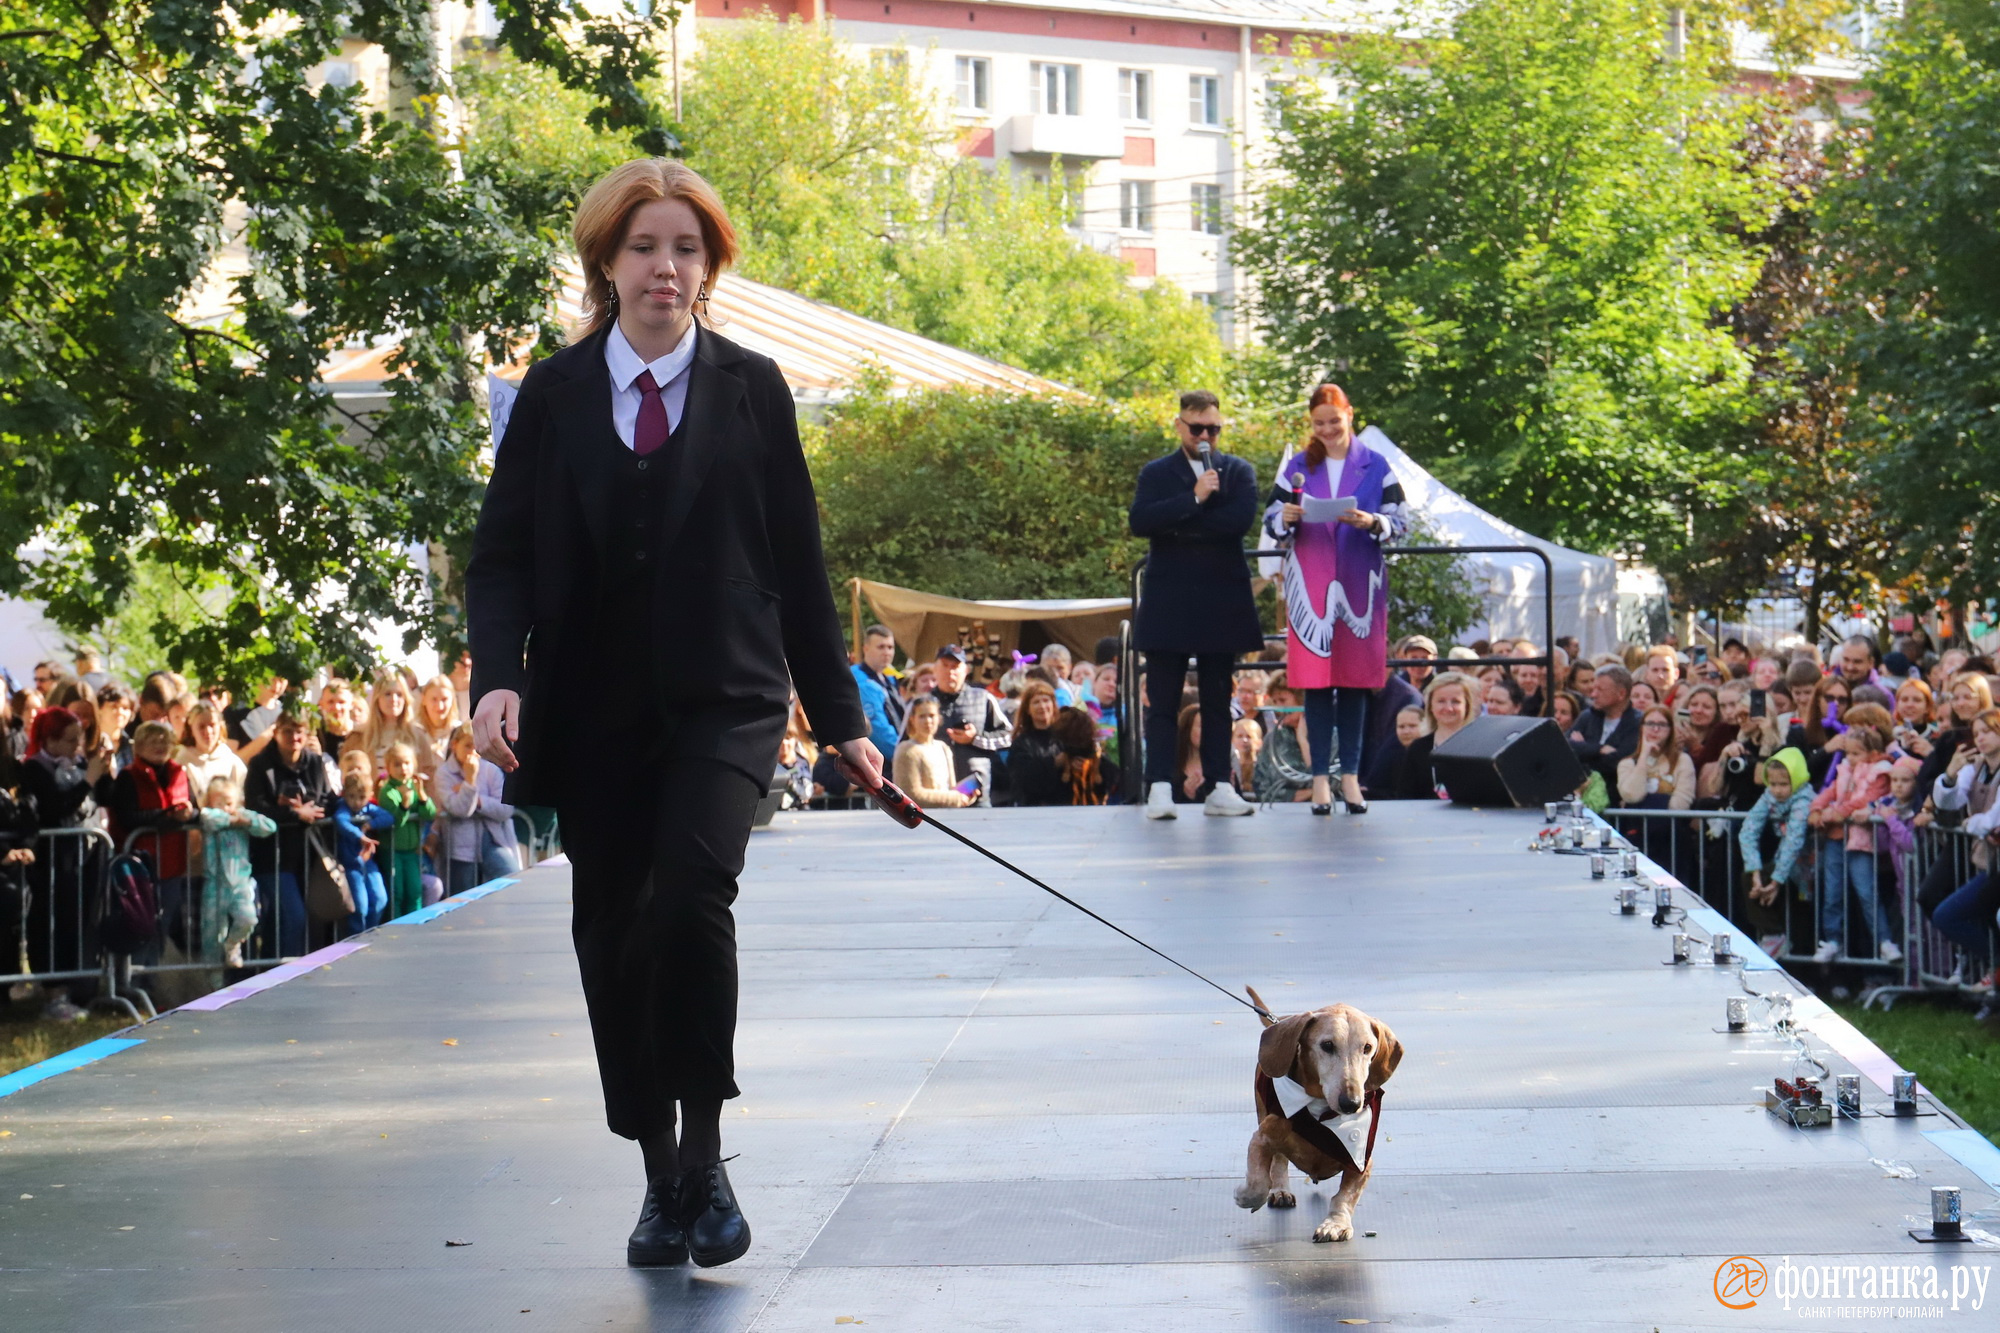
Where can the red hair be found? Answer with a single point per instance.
(49, 724)
(1326, 395)
(606, 211)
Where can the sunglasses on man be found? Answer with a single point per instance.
(1203, 428)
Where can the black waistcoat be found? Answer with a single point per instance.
(626, 612)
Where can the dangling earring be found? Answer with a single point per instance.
(702, 295)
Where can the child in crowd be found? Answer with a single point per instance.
(794, 770)
(228, 889)
(923, 764)
(1896, 815)
(480, 831)
(1091, 779)
(1282, 774)
(1860, 779)
(355, 821)
(405, 795)
(1774, 835)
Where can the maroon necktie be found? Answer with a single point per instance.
(649, 432)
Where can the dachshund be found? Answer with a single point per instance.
(1319, 1101)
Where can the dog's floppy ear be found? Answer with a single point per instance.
(1278, 1048)
(1388, 1054)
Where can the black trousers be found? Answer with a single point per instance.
(655, 844)
(1166, 677)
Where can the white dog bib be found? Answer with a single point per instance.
(1351, 1130)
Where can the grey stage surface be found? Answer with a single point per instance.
(968, 1107)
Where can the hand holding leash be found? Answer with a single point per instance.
(894, 801)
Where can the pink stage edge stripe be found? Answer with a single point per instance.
(278, 975)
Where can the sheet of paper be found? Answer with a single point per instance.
(1319, 509)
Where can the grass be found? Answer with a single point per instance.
(26, 1038)
(1946, 1047)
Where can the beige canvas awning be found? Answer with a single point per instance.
(991, 631)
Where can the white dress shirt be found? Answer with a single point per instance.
(670, 372)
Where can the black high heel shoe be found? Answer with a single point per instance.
(1322, 809)
(1354, 807)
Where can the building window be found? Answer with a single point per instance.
(339, 73)
(1205, 100)
(1135, 94)
(1213, 301)
(1207, 202)
(1135, 205)
(974, 85)
(1055, 90)
(892, 61)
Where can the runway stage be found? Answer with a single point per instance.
(968, 1107)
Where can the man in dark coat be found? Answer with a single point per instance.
(1195, 506)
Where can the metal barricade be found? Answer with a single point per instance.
(53, 931)
(1703, 850)
(1940, 864)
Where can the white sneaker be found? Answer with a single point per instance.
(1160, 801)
(1223, 800)
(1890, 953)
(1828, 951)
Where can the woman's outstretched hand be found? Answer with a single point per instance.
(496, 723)
(862, 761)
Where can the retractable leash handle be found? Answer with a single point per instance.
(893, 800)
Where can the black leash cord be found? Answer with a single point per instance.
(1001, 860)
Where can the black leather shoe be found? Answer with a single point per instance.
(716, 1231)
(1322, 809)
(659, 1241)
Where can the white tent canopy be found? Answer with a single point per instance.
(1586, 586)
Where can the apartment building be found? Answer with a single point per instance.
(1153, 109)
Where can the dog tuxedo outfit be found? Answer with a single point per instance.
(1318, 1141)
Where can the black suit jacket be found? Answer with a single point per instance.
(742, 609)
(1196, 597)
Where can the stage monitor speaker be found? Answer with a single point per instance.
(1508, 761)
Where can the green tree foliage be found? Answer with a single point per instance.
(1432, 595)
(985, 495)
(977, 494)
(193, 221)
(1803, 513)
(838, 173)
(1919, 204)
(1511, 250)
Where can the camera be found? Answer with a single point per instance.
(1736, 765)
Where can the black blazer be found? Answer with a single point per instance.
(741, 595)
(1196, 597)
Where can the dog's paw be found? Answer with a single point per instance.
(1334, 1228)
(1253, 1197)
(1284, 1199)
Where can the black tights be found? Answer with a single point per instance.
(700, 1141)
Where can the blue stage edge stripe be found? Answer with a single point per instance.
(1974, 1151)
(438, 909)
(68, 1060)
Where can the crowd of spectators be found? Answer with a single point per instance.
(230, 801)
(1832, 763)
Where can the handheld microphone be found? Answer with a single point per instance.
(1207, 456)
